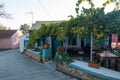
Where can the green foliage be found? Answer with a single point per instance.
(34, 36)
(63, 58)
(24, 28)
(54, 29)
(2, 27)
(95, 20)
(116, 2)
(90, 20)
(44, 30)
(112, 21)
(90, 2)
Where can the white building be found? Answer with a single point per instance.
(23, 42)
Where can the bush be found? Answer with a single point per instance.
(63, 58)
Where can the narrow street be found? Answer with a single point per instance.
(16, 66)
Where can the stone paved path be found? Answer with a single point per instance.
(16, 66)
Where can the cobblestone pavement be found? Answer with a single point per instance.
(16, 66)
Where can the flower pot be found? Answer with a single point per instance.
(94, 65)
(61, 49)
(46, 46)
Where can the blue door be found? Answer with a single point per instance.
(55, 44)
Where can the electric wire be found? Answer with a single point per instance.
(44, 9)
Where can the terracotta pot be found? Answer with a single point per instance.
(61, 49)
(46, 46)
(94, 65)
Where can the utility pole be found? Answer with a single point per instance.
(31, 13)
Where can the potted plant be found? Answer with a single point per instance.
(93, 64)
(61, 57)
(46, 46)
(61, 49)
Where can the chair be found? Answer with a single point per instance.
(81, 55)
(86, 54)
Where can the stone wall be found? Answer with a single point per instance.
(77, 73)
(34, 56)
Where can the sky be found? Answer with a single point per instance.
(43, 10)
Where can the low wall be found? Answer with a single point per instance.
(33, 54)
(44, 57)
(77, 73)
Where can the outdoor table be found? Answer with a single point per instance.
(73, 50)
(108, 57)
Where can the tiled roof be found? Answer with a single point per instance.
(6, 33)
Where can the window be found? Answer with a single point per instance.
(72, 41)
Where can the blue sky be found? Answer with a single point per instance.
(42, 10)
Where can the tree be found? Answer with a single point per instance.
(24, 28)
(2, 27)
(33, 38)
(3, 14)
(112, 21)
(90, 2)
(116, 2)
(95, 19)
(56, 30)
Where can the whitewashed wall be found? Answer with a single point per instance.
(22, 39)
(78, 41)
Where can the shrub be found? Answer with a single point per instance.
(63, 58)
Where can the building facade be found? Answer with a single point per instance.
(39, 23)
(9, 39)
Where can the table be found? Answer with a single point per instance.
(107, 57)
(73, 50)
